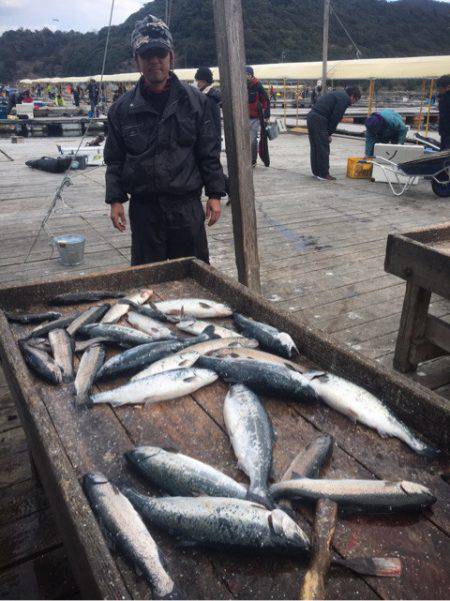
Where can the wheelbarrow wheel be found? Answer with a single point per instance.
(441, 188)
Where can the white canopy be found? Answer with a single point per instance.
(415, 67)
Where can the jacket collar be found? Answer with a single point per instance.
(138, 104)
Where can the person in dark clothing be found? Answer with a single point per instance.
(92, 89)
(257, 95)
(204, 80)
(76, 95)
(322, 122)
(162, 150)
(443, 88)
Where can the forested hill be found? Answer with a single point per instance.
(275, 30)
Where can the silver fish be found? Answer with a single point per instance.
(194, 307)
(362, 495)
(126, 531)
(160, 387)
(180, 475)
(121, 308)
(119, 334)
(360, 405)
(136, 358)
(62, 349)
(203, 348)
(263, 378)
(61, 323)
(175, 361)
(268, 337)
(257, 355)
(41, 343)
(88, 296)
(28, 318)
(82, 345)
(150, 326)
(198, 326)
(91, 315)
(221, 522)
(41, 363)
(251, 437)
(91, 361)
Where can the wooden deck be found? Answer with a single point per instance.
(322, 251)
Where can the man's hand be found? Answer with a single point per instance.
(213, 210)
(118, 216)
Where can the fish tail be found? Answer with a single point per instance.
(261, 496)
(427, 451)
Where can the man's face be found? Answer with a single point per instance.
(249, 77)
(201, 84)
(154, 65)
(443, 89)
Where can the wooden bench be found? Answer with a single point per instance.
(422, 258)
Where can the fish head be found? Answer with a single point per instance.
(414, 488)
(139, 454)
(285, 529)
(94, 479)
(286, 341)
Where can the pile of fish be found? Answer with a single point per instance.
(163, 365)
(201, 504)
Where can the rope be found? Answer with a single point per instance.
(358, 51)
(66, 181)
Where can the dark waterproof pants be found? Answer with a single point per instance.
(167, 229)
(445, 141)
(320, 144)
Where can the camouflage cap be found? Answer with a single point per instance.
(150, 32)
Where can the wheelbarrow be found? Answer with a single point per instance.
(433, 167)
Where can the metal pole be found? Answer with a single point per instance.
(298, 90)
(371, 95)
(326, 28)
(284, 101)
(427, 126)
(422, 98)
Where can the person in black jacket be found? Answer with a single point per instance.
(443, 88)
(204, 80)
(322, 122)
(161, 150)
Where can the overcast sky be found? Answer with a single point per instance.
(80, 15)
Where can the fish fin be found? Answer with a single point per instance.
(354, 417)
(170, 449)
(312, 375)
(189, 379)
(429, 452)
(210, 331)
(204, 305)
(382, 433)
(260, 497)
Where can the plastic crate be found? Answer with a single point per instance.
(358, 170)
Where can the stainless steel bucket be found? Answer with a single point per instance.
(70, 248)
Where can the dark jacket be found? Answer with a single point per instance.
(332, 106)
(215, 102)
(257, 95)
(444, 114)
(169, 155)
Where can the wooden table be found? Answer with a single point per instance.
(422, 258)
(66, 441)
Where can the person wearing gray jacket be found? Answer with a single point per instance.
(322, 121)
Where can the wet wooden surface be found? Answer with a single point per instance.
(322, 249)
(96, 438)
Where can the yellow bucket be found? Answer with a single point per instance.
(358, 170)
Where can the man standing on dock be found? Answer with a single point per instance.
(322, 121)
(162, 149)
(258, 100)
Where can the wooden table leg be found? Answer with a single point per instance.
(412, 325)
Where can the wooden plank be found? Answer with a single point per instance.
(21, 500)
(412, 325)
(46, 576)
(229, 30)
(437, 332)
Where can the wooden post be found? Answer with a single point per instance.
(371, 95)
(422, 98)
(231, 54)
(326, 27)
(427, 125)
